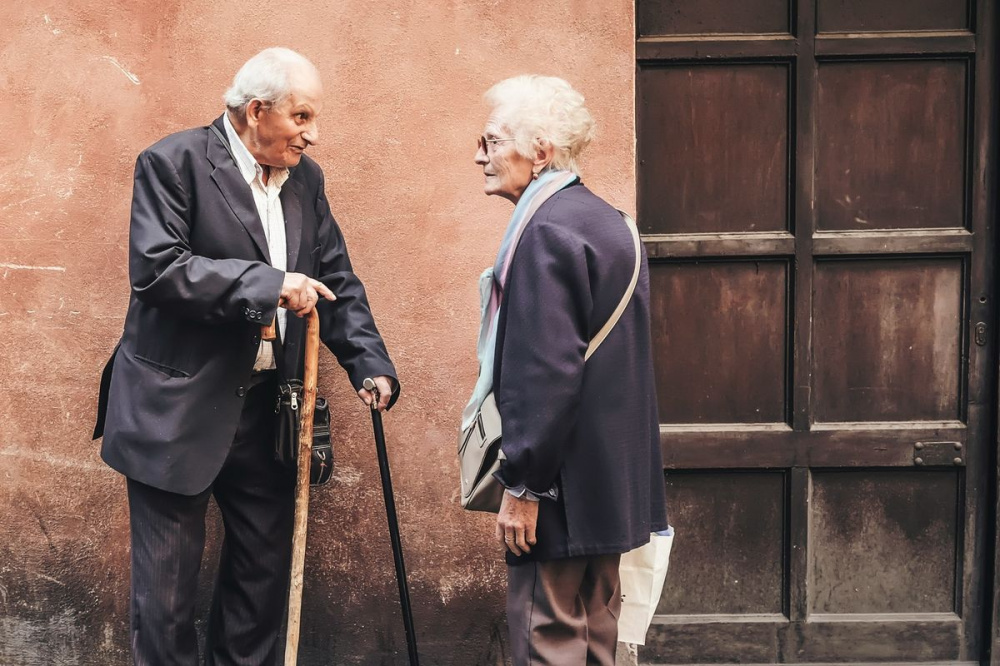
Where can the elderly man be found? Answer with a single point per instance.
(230, 228)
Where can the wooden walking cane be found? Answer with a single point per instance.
(301, 482)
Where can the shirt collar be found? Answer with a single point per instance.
(245, 161)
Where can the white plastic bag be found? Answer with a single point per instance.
(642, 572)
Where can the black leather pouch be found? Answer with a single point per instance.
(286, 441)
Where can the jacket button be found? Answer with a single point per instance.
(241, 392)
(256, 339)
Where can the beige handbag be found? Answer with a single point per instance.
(479, 451)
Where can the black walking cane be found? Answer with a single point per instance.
(390, 514)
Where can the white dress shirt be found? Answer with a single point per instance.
(268, 204)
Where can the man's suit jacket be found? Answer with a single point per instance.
(202, 286)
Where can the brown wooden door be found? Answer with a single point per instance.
(815, 193)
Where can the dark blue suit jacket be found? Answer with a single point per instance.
(202, 286)
(589, 428)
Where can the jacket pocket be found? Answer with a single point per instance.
(161, 367)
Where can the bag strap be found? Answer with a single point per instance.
(225, 143)
(616, 315)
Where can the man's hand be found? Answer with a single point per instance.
(384, 385)
(516, 523)
(300, 293)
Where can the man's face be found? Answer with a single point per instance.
(282, 132)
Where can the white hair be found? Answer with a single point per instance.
(267, 77)
(543, 109)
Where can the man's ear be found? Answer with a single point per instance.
(254, 110)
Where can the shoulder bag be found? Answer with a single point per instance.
(286, 437)
(479, 451)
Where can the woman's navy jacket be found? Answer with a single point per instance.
(590, 429)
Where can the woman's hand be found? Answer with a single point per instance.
(516, 523)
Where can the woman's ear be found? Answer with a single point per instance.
(543, 157)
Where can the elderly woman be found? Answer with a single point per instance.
(581, 458)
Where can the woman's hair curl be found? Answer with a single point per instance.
(543, 109)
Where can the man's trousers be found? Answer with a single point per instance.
(564, 612)
(256, 499)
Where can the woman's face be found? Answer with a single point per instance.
(507, 173)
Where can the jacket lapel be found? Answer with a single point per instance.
(291, 208)
(230, 182)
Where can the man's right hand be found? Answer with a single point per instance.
(300, 293)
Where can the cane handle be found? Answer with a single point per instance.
(369, 385)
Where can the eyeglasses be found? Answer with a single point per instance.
(484, 143)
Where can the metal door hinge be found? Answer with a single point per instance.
(938, 454)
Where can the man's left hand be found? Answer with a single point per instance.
(516, 523)
(384, 385)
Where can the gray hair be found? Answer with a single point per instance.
(543, 109)
(266, 77)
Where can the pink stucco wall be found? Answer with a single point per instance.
(87, 85)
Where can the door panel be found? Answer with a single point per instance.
(898, 323)
(680, 17)
(816, 210)
(884, 541)
(890, 144)
(741, 309)
(737, 565)
(690, 108)
(891, 15)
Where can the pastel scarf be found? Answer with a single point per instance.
(494, 280)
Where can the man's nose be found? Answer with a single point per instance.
(481, 156)
(311, 135)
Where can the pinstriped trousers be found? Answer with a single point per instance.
(564, 612)
(256, 500)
